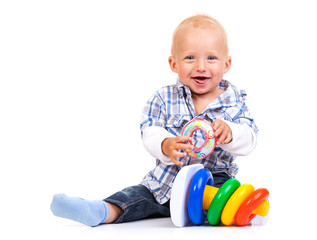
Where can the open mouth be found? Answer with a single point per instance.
(200, 80)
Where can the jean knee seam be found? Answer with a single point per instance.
(134, 201)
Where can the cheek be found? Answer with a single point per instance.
(218, 70)
(184, 70)
(180, 72)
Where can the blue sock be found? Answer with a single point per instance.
(90, 213)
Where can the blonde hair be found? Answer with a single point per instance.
(199, 21)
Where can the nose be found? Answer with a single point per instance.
(200, 66)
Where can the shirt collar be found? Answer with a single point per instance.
(230, 97)
(183, 90)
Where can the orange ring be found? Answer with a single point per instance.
(244, 214)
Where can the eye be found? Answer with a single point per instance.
(189, 57)
(211, 58)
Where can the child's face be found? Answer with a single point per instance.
(200, 59)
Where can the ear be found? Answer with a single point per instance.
(172, 63)
(227, 65)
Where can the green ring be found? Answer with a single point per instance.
(220, 200)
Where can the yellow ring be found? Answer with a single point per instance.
(234, 202)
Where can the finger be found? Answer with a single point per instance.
(180, 154)
(220, 139)
(218, 127)
(219, 131)
(224, 138)
(228, 139)
(181, 146)
(175, 161)
(183, 139)
(216, 123)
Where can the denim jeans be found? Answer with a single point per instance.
(137, 202)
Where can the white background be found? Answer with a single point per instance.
(75, 75)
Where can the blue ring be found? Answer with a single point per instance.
(196, 193)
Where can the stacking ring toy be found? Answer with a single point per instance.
(235, 201)
(192, 193)
(199, 124)
(249, 207)
(195, 198)
(220, 200)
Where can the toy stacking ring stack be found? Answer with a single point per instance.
(193, 192)
(205, 149)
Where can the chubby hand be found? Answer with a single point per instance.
(222, 131)
(171, 147)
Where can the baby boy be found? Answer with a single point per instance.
(199, 56)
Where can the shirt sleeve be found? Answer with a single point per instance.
(244, 131)
(154, 113)
(153, 127)
(152, 140)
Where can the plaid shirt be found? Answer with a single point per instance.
(171, 108)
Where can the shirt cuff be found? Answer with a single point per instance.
(243, 139)
(152, 140)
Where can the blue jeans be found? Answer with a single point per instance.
(137, 202)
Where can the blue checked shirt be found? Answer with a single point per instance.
(171, 108)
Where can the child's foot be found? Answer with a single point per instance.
(91, 213)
